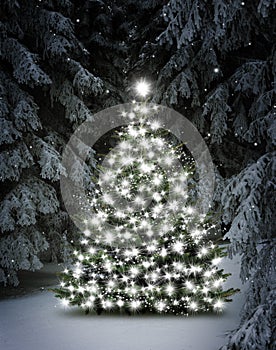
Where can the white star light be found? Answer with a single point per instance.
(218, 305)
(142, 88)
(120, 303)
(65, 302)
(160, 306)
(193, 305)
(169, 289)
(178, 246)
(135, 304)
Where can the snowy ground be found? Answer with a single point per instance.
(38, 322)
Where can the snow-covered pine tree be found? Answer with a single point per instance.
(103, 28)
(217, 66)
(115, 30)
(42, 87)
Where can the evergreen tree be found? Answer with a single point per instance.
(145, 245)
(42, 88)
(216, 64)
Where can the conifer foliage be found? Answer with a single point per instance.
(41, 74)
(217, 66)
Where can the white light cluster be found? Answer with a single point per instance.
(142, 166)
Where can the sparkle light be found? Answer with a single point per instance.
(65, 302)
(218, 305)
(142, 88)
(160, 306)
(170, 289)
(120, 303)
(193, 305)
(178, 246)
(135, 304)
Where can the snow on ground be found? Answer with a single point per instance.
(38, 322)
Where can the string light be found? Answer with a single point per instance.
(149, 276)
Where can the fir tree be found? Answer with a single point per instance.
(145, 246)
(216, 65)
(42, 88)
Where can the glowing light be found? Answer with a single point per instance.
(189, 285)
(120, 303)
(195, 233)
(107, 198)
(125, 278)
(208, 273)
(190, 210)
(88, 304)
(108, 266)
(170, 289)
(134, 252)
(111, 283)
(87, 233)
(142, 88)
(216, 261)
(178, 247)
(92, 250)
(107, 304)
(150, 287)
(218, 282)
(193, 305)
(146, 264)
(134, 271)
(151, 248)
(71, 288)
(133, 290)
(77, 272)
(154, 276)
(160, 306)
(156, 196)
(157, 180)
(135, 304)
(146, 168)
(81, 257)
(92, 298)
(65, 302)
(155, 125)
(218, 305)
(163, 252)
(204, 251)
(109, 238)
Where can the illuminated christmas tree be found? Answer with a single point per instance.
(145, 246)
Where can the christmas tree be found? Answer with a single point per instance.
(145, 246)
